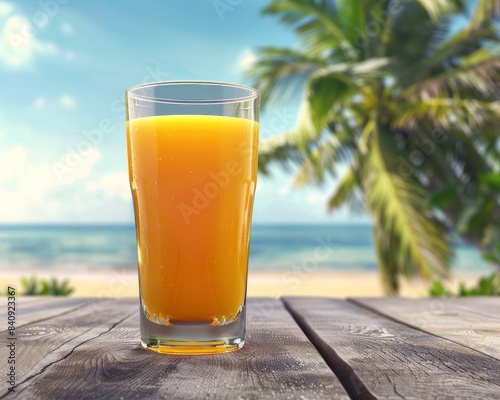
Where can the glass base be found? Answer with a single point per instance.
(191, 348)
(193, 338)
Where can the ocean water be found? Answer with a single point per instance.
(273, 247)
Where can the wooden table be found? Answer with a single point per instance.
(297, 348)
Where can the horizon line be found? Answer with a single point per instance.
(128, 224)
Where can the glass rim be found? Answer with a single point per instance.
(252, 93)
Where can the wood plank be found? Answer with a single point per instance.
(375, 357)
(29, 299)
(489, 306)
(474, 323)
(34, 308)
(42, 343)
(277, 362)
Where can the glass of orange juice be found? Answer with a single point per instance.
(192, 156)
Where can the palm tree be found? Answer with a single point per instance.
(409, 102)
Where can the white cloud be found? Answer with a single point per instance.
(26, 185)
(113, 184)
(314, 198)
(67, 101)
(5, 8)
(246, 59)
(40, 102)
(18, 46)
(67, 28)
(23, 185)
(74, 166)
(283, 191)
(45, 48)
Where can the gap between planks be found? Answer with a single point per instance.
(352, 383)
(373, 355)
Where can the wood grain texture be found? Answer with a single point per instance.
(472, 322)
(376, 357)
(42, 343)
(489, 306)
(33, 308)
(277, 362)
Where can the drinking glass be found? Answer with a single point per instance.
(192, 156)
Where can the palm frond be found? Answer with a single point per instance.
(446, 112)
(486, 11)
(415, 238)
(325, 95)
(443, 50)
(344, 191)
(293, 145)
(290, 146)
(436, 159)
(439, 8)
(464, 42)
(480, 79)
(411, 25)
(281, 149)
(279, 74)
(388, 266)
(329, 87)
(321, 161)
(368, 69)
(312, 17)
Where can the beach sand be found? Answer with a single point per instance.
(124, 283)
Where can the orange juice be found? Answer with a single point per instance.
(193, 180)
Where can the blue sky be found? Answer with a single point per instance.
(64, 66)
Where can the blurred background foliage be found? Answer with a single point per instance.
(33, 286)
(401, 99)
